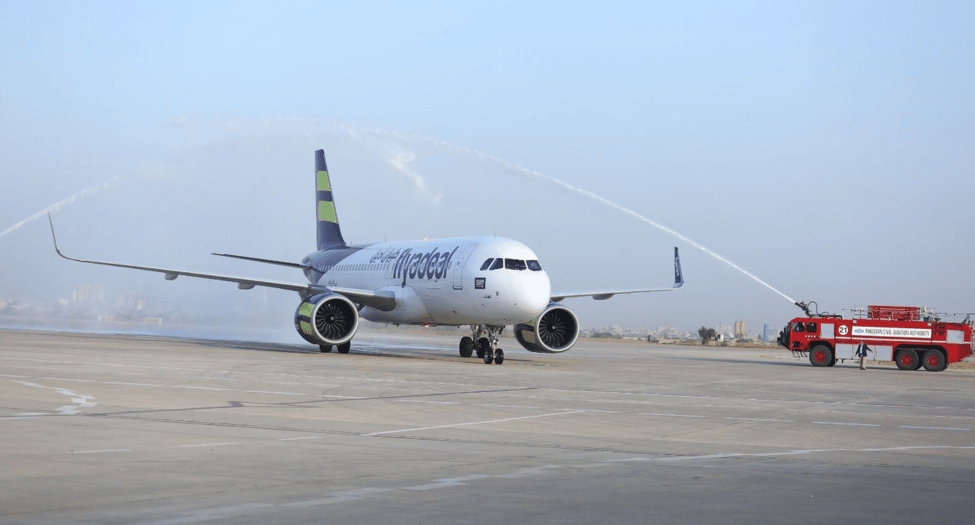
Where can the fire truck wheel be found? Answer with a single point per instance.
(934, 361)
(907, 359)
(820, 355)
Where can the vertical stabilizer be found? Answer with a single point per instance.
(329, 233)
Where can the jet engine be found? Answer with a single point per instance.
(552, 332)
(327, 319)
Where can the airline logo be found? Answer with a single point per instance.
(433, 264)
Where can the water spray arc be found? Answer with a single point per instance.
(451, 148)
(60, 204)
(606, 202)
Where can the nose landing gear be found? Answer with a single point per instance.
(486, 347)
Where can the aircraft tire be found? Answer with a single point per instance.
(345, 347)
(488, 356)
(482, 346)
(498, 356)
(466, 346)
(325, 348)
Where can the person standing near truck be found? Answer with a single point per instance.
(862, 350)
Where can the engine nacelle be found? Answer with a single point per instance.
(552, 332)
(327, 319)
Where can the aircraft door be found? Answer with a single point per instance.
(460, 264)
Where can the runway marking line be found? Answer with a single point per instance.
(843, 424)
(734, 455)
(337, 497)
(208, 445)
(936, 428)
(80, 400)
(447, 482)
(470, 424)
(101, 451)
(431, 402)
(276, 393)
(670, 415)
(760, 419)
(27, 415)
(69, 379)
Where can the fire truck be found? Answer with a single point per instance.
(910, 336)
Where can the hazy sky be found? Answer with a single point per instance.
(826, 147)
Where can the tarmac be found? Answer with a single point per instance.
(146, 430)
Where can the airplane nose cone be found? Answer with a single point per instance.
(534, 293)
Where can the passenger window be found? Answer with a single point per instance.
(486, 264)
(534, 266)
(811, 327)
(498, 263)
(514, 264)
(798, 327)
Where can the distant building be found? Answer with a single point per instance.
(88, 295)
(130, 301)
(740, 332)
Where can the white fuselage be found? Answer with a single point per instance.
(447, 281)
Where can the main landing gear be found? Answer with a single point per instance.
(342, 348)
(486, 347)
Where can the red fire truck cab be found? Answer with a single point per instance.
(892, 333)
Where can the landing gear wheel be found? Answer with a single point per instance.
(489, 356)
(483, 345)
(907, 359)
(466, 346)
(498, 356)
(325, 348)
(934, 361)
(820, 355)
(345, 347)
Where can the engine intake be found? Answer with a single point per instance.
(552, 332)
(327, 319)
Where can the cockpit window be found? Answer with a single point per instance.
(486, 264)
(498, 263)
(515, 264)
(534, 266)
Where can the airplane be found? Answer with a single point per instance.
(484, 282)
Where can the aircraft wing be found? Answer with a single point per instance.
(265, 261)
(606, 294)
(384, 301)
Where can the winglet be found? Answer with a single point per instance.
(678, 274)
(50, 220)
